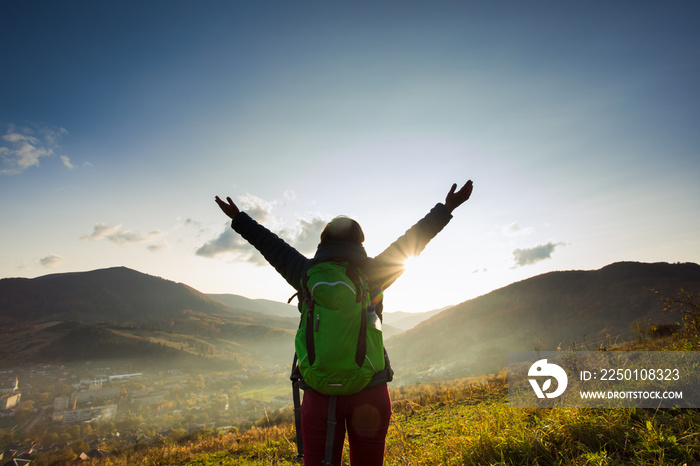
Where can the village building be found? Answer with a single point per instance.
(93, 413)
(9, 395)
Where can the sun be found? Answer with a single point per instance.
(410, 263)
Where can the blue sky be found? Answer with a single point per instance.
(120, 122)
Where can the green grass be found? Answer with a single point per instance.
(462, 424)
(269, 446)
(493, 433)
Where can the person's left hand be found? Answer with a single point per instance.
(229, 208)
(456, 198)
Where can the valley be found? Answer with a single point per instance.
(113, 359)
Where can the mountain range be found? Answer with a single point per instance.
(119, 312)
(393, 323)
(557, 310)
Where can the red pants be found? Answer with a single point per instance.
(365, 416)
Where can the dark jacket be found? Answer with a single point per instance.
(381, 270)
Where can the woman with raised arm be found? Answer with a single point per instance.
(364, 415)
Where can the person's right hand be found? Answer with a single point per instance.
(229, 208)
(457, 198)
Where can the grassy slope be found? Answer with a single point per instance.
(460, 426)
(470, 423)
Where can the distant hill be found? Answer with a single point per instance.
(139, 315)
(115, 294)
(394, 322)
(407, 320)
(264, 306)
(99, 343)
(550, 310)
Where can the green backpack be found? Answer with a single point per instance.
(339, 345)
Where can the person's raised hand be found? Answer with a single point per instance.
(456, 198)
(229, 208)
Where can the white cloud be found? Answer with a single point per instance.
(535, 254)
(227, 242)
(306, 235)
(117, 235)
(101, 231)
(52, 260)
(514, 229)
(257, 208)
(23, 148)
(66, 162)
(158, 247)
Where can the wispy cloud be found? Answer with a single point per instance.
(52, 260)
(157, 247)
(303, 235)
(23, 148)
(118, 235)
(535, 254)
(66, 162)
(515, 229)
